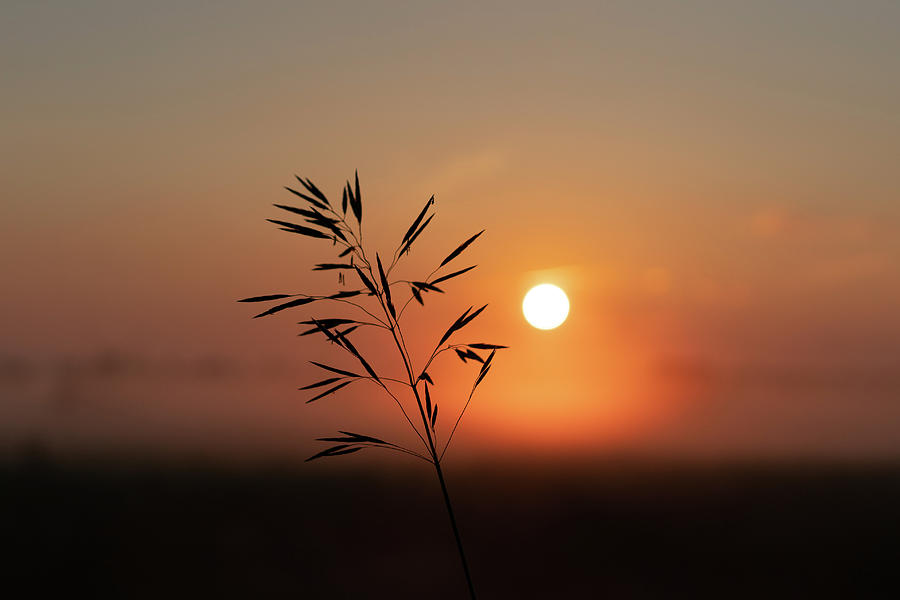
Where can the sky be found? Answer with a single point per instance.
(714, 184)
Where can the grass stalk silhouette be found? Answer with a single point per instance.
(377, 301)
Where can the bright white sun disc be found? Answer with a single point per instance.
(545, 306)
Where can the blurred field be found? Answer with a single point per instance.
(354, 530)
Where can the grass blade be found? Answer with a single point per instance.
(358, 208)
(364, 438)
(300, 229)
(311, 187)
(329, 391)
(335, 451)
(418, 220)
(424, 285)
(460, 248)
(328, 322)
(386, 287)
(349, 346)
(468, 319)
(320, 383)
(335, 369)
(452, 275)
(473, 356)
(309, 199)
(417, 294)
(344, 294)
(327, 332)
(366, 281)
(415, 235)
(280, 307)
(454, 327)
(266, 298)
(299, 211)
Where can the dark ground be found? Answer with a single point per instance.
(316, 531)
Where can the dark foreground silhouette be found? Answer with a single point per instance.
(323, 220)
(593, 531)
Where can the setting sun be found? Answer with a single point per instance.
(545, 306)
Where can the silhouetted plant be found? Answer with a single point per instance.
(329, 222)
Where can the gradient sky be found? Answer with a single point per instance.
(715, 184)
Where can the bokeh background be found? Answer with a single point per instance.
(713, 183)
